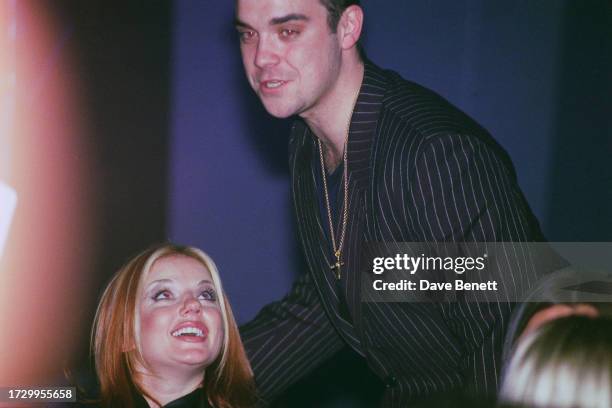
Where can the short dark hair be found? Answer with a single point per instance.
(335, 8)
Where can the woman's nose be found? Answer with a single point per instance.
(191, 305)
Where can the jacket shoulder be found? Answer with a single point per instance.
(423, 110)
(413, 111)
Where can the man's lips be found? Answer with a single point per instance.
(192, 331)
(271, 85)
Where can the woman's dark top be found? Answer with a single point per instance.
(195, 399)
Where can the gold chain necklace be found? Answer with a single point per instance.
(337, 248)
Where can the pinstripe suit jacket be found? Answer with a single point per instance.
(419, 171)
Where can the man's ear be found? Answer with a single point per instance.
(350, 25)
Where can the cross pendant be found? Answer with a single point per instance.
(336, 266)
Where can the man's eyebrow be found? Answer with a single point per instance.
(275, 20)
(288, 17)
(240, 23)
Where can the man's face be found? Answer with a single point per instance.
(291, 57)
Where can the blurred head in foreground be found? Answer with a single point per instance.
(567, 292)
(566, 362)
(164, 329)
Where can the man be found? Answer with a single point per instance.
(373, 158)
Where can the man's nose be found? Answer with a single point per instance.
(265, 55)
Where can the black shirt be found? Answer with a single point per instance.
(195, 399)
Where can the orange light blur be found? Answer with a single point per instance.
(47, 261)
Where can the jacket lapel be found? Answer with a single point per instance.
(361, 138)
(317, 248)
(310, 228)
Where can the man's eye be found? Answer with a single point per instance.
(246, 36)
(288, 33)
(208, 294)
(162, 295)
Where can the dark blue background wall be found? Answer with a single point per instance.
(536, 74)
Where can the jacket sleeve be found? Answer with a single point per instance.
(288, 339)
(464, 190)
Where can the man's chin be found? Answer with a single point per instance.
(280, 112)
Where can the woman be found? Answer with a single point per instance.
(565, 363)
(164, 335)
(566, 292)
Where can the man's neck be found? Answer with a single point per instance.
(331, 118)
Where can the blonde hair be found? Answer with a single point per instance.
(559, 287)
(564, 363)
(228, 382)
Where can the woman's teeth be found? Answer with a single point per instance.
(190, 331)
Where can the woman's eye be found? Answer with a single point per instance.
(208, 294)
(162, 295)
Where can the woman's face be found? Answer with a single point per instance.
(179, 318)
